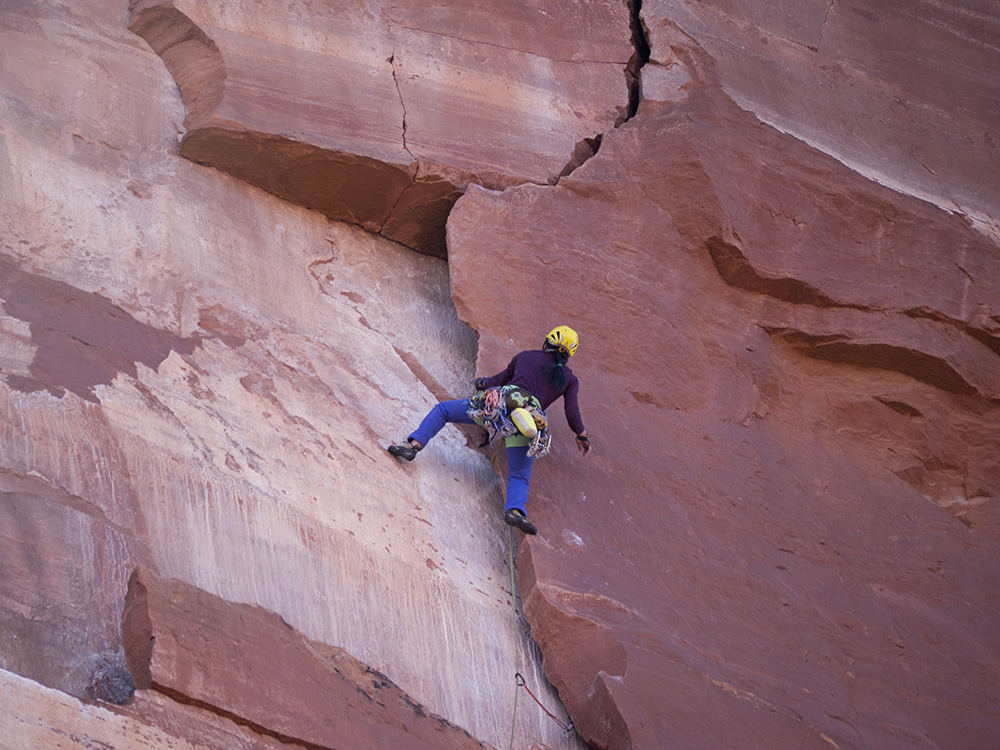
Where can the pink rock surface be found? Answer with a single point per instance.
(251, 666)
(382, 115)
(61, 582)
(786, 535)
(904, 93)
(204, 381)
(35, 717)
(744, 560)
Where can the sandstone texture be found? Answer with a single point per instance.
(787, 533)
(904, 93)
(243, 661)
(36, 717)
(381, 114)
(201, 379)
(775, 229)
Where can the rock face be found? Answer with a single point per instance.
(36, 716)
(381, 114)
(201, 379)
(242, 661)
(781, 373)
(787, 534)
(904, 94)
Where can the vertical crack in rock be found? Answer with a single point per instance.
(413, 179)
(568, 638)
(584, 151)
(633, 71)
(399, 93)
(234, 123)
(822, 28)
(588, 147)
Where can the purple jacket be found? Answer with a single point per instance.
(529, 370)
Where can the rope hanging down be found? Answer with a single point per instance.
(519, 680)
(521, 683)
(517, 651)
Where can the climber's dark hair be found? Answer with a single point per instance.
(556, 375)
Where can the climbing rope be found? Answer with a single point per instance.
(517, 650)
(521, 683)
(519, 680)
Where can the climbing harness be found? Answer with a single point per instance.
(493, 408)
(519, 681)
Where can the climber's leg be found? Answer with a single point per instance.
(443, 413)
(519, 465)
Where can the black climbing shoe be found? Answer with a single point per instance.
(406, 451)
(514, 517)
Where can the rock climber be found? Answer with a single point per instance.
(512, 403)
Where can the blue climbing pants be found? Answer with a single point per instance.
(519, 464)
(439, 416)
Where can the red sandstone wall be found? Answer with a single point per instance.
(783, 266)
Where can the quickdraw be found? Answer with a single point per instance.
(541, 444)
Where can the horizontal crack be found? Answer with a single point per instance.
(925, 368)
(983, 337)
(187, 700)
(737, 271)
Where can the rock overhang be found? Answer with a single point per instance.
(382, 115)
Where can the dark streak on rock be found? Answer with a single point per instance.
(82, 338)
(737, 271)
(917, 365)
(633, 71)
(421, 373)
(983, 337)
(187, 700)
(899, 407)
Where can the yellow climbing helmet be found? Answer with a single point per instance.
(564, 338)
